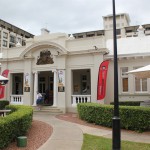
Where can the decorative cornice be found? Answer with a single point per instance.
(128, 56)
(89, 51)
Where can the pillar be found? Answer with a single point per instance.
(55, 88)
(35, 87)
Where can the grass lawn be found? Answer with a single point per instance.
(92, 142)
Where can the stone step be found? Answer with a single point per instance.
(47, 112)
(48, 109)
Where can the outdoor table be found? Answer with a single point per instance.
(3, 112)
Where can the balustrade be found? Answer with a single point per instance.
(16, 99)
(80, 99)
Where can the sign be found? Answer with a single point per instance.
(27, 82)
(102, 77)
(2, 88)
(61, 80)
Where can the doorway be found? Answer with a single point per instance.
(17, 84)
(45, 86)
(81, 82)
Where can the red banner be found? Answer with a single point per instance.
(2, 88)
(102, 77)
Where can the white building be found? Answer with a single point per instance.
(65, 68)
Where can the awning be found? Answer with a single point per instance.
(3, 80)
(143, 72)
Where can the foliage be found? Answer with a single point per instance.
(15, 124)
(92, 142)
(128, 103)
(132, 117)
(3, 103)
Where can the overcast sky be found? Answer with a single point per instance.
(69, 16)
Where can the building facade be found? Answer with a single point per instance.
(64, 68)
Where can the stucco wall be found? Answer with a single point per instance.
(131, 94)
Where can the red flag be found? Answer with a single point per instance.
(2, 88)
(102, 77)
(5, 73)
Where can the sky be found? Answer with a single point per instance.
(69, 16)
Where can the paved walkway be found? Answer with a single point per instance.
(69, 136)
(65, 136)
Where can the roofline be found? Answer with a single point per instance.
(16, 27)
(87, 32)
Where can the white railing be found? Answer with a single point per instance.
(130, 34)
(16, 99)
(147, 32)
(80, 99)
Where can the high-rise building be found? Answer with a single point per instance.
(12, 36)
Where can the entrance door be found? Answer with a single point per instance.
(46, 87)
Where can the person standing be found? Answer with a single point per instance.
(39, 100)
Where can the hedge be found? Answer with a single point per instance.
(132, 117)
(3, 103)
(15, 124)
(128, 103)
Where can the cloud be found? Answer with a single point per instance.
(68, 16)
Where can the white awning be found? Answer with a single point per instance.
(143, 72)
(3, 80)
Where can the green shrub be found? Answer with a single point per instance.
(128, 103)
(15, 124)
(3, 103)
(133, 117)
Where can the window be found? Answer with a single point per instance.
(90, 35)
(129, 31)
(118, 32)
(124, 79)
(12, 39)
(23, 43)
(4, 43)
(80, 36)
(140, 84)
(5, 35)
(42, 85)
(19, 40)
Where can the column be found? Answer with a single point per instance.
(55, 88)
(35, 87)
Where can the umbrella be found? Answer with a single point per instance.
(3, 80)
(143, 72)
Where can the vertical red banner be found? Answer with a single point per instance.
(102, 77)
(2, 88)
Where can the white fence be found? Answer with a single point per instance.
(80, 99)
(16, 99)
